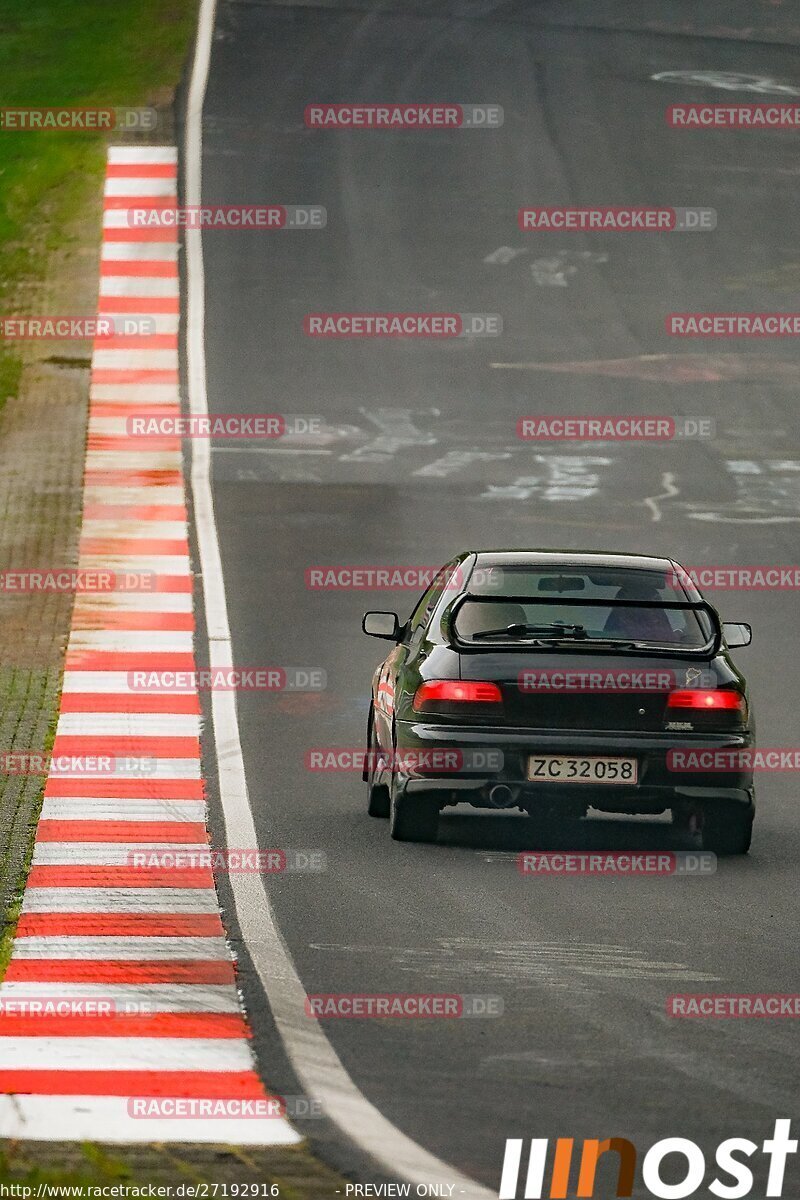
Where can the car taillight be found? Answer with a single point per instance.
(707, 699)
(438, 694)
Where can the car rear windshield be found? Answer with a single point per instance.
(580, 604)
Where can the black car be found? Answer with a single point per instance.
(552, 682)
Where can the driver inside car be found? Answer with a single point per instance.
(640, 624)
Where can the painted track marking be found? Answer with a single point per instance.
(145, 940)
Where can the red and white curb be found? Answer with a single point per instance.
(148, 940)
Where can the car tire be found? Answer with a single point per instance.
(727, 831)
(378, 800)
(413, 818)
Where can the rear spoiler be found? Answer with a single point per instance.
(710, 647)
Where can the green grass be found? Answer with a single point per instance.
(91, 1167)
(70, 53)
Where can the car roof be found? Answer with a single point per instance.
(570, 558)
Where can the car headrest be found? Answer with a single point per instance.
(474, 617)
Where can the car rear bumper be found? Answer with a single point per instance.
(487, 757)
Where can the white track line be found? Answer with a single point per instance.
(314, 1059)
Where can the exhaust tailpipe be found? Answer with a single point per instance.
(502, 796)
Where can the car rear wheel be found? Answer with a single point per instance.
(413, 818)
(727, 831)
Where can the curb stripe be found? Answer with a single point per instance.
(166, 747)
(172, 724)
(134, 512)
(137, 155)
(130, 703)
(138, 266)
(122, 660)
(109, 899)
(134, 545)
(207, 1084)
(98, 619)
(134, 789)
(134, 997)
(122, 924)
(82, 875)
(120, 950)
(90, 808)
(173, 1025)
(120, 831)
(65, 970)
(94, 924)
(138, 856)
(138, 304)
(141, 171)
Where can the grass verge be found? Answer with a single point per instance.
(69, 53)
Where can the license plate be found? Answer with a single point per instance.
(552, 768)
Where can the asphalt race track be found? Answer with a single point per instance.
(418, 458)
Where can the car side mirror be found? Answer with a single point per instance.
(737, 633)
(382, 625)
